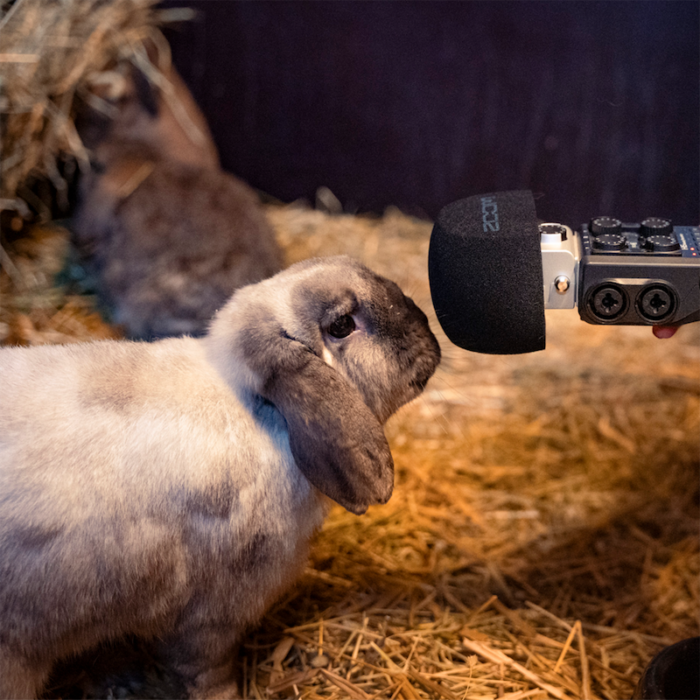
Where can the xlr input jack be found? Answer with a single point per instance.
(608, 302)
(656, 303)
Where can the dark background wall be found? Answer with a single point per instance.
(593, 105)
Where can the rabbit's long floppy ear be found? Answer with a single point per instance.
(336, 440)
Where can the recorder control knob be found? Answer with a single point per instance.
(654, 226)
(661, 243)
(609, 241)
(602, 225)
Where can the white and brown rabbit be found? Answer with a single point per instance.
(168, 490)
(167, 235)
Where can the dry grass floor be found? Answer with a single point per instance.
(542, 541)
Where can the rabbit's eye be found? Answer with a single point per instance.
(342, 327)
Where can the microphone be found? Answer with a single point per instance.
(494, 269)
(485, 271)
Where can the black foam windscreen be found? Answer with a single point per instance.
(485, 269)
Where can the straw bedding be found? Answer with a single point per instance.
(542, 540)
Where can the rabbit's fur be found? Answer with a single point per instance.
(167, 234)
(168, 490)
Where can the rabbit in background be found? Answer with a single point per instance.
(167, 234)
(169, 490)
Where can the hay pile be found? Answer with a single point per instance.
(542, 540)
(50, 53)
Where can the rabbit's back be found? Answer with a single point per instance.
(75, 400)
(128, 421)
(109, 525)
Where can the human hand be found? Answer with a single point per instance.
(664, 331)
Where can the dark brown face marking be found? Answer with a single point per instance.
(393, 325)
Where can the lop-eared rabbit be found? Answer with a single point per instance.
(168, 490)
(165, 232)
